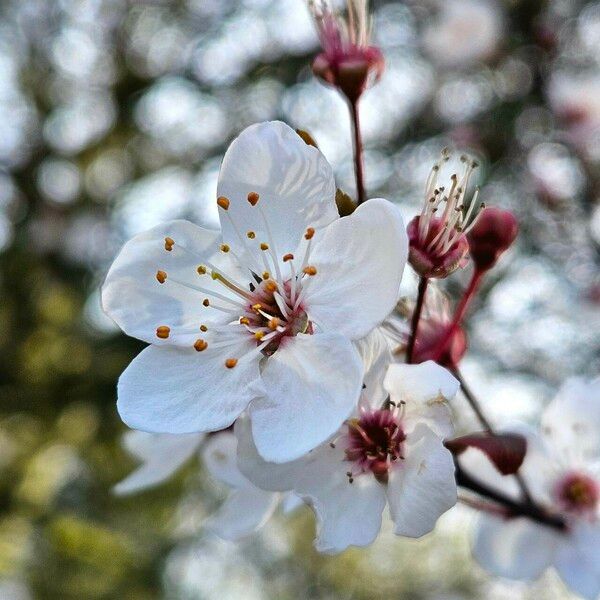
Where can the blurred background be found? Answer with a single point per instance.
(114, 115)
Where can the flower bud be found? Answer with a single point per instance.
(493, 233)
(348, 61)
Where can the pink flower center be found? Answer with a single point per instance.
(374, 442)
(577, 493)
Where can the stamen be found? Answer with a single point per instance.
(310, 271)
(253, 198)
(201, 270)
(163, 332)
(206, 302)
(223, 202)
(169, 243)
(161, 276)
(231, 362)
(225, 248)
(310, 232)
(244, 321)
(287, 257)
(250, 235)
(203, 328)
(200, 345)
(264, 246)
(266, 275)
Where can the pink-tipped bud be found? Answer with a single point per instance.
(348, 61)
(440, 342)
(493, 233)
(351, 70)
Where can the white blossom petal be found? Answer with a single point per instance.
(423, 487)
(219, 456)
(359, 261)
(312, 384)
(514, 548)
(176, 390)
(161, 455)
(266, 475)
(376, 356)
(139, 304)
(294, 181)
(577, 560)
(243, 512)
(572, 420)
(426, 388)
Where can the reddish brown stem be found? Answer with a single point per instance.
(358, 153)
(414, 327)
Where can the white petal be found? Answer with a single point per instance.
(162, 454)
(291, 503)
(347, 513)
(426, 388)
(266, 475)
(139, 304)
(312, 384)
(577, 561)
(176, 390)
(514, 548)
(376, 356)
(295, 183)
(359, 261)
(422, 487)
(242, 513)
(219, 456)
(572, 419)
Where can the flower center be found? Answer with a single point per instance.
(577, 493)
(374, 442)
(270, 307)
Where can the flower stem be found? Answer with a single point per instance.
(476, 406)
(358, 152)
(410, 350)
(514, 508)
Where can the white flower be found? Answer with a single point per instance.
(562, 469)
(464, 32)
(246, 508)
(262, 314)
(390, 452)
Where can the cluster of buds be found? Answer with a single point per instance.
(348, 61)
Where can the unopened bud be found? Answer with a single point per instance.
(493, 233)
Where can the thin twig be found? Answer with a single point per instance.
(358, 153)
(416, 318)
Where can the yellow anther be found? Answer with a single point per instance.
(271, 286)
(200, 345)
(287, 257)
(253, 198)
(259, 335)
(163, 332)
(310, 270)
(274, 323)
(161, 276)
(225, 248)
(201, 270)
(266, 275)
(206, 302)
(244, 321)
(256, 306)
(169, 243)
(223, 202)
(231, 362)
(264, 246)
(203, 328)
(309, 233)
(251, 235)
(214, 275)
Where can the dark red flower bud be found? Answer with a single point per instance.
(493, 233)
